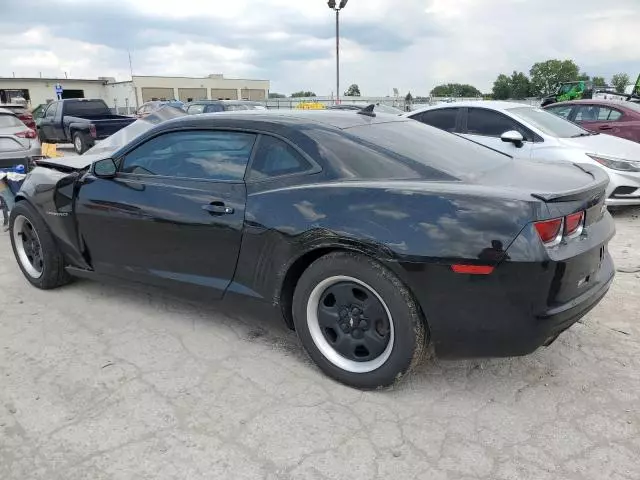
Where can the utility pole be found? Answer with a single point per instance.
(334, 6)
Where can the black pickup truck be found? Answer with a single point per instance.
(79, 121)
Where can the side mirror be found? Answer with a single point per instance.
(106, 168)
(513, 137)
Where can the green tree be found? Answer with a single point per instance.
(520, 85)
(502, 87)
(455, 90)
(303, 93)
(408, 98)
(352, 91)
(599, 81)
(620, 81)
(276, 95)
(583, 76)
(545, 76)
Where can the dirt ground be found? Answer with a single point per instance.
(106, 382)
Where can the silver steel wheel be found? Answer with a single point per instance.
(77, 143)
(28, 247)
(350, 324)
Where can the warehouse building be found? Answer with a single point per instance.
(127, 96)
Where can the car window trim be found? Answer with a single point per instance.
(458, 121)
(120, 159)
(315, 168)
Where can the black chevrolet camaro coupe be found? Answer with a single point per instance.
(375, 236)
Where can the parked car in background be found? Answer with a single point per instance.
(621, 119)
(362, 230)
(213, 106)
(19, 144)
(378, 108)
(22, 112)
(148, 108)
(524, 131)
(79, 121)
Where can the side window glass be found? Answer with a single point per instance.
(444, 119)
(195, 109)
(563, 111)
(51, 111)
(210, 155)
(609, 115)
(587, 113)
(275, 158)
(491, 124)
(214, 107)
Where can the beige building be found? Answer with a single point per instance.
(127, 96)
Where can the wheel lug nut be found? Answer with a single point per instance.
(363, 324)
(357, 333)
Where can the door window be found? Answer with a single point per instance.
(444, 118)
(195, 109)
(214, 108)
(561, 110)
(275, 158)
(210, 155)
(51, 110)
(597, 113)
(489, 123)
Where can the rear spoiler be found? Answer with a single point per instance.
(592, 191)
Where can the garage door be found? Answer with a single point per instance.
(253, 94)
(150, 93)
(224, 94)
(191, 94)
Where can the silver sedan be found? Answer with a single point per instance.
(18, 143)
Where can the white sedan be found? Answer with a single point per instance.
(523, 131)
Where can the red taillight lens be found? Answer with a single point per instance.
(26, 134)
(472, 269)
(550, 230)
(573, 223)
(92, 131)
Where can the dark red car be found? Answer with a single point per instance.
(620, 119)
(22, 113)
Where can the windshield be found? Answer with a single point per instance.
(124, 136)
(548, 123)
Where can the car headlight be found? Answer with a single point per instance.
(616, 163)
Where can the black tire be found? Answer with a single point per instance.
(53, 274)
(80, 143)
(407, 340)
(41, 137)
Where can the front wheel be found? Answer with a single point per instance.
(35, 249)
(357, 321)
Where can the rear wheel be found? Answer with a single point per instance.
(33, 245)
(357, 321)
(80, 143)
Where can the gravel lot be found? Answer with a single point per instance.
(107, 382)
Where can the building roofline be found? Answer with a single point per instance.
(94, 80)
(202, 78)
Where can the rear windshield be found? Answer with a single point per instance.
(416, 145)
(88, 107)
(9, 121)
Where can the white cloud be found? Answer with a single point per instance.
(410, 45)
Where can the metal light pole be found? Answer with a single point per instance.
(334, 6)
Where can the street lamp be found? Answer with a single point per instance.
(333, 5)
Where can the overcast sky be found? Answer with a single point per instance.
(412, 45)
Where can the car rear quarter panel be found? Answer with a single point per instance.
(405, 225)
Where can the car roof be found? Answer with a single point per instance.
(226, 102)
(340, 119)
(595, 101)
(4, 111)
(490, 104)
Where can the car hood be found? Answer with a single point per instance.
(603, 144)
(79, 162)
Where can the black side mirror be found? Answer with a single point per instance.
(106, 168)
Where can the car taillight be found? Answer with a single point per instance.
(26, 134)
(92, 131)
(550, 231)
(472, 269)
(573, 224)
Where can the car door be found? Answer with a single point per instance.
(174, 213)
(486, 127)
(47, 124)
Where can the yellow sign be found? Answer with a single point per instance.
(310, 106)
(50, 150)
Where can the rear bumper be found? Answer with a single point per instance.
(498, 315)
